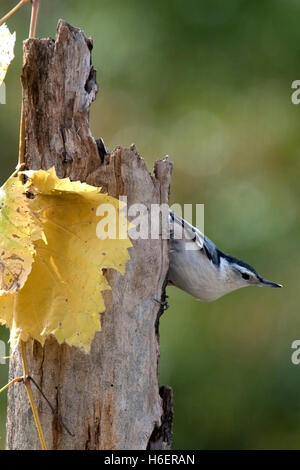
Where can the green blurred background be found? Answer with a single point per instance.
(209, 84)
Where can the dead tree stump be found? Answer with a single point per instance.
(110, 398)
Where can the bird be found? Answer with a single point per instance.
(198, 267)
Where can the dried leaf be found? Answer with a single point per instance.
(7, 43)
(63, 293)
(18, 230)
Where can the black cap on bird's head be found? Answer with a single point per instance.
(248, 273)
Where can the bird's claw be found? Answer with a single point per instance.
(163, 303)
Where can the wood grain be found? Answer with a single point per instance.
(110, 398)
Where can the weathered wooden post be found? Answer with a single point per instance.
(110, 398)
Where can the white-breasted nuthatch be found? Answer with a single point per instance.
(206, 272)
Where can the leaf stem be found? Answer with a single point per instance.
(26, 381)
(24, 359)
(13, 10)
(26, 378)
(34, 17)
(32, 31)
(17, 379)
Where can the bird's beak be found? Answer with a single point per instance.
(266, 283)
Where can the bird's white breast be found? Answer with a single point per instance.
(193, 272)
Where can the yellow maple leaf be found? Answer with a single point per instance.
(63, 292)
(18, 231)
(7, 43)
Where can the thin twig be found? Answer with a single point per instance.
(51, 407)
(34, 17)
(25, 379)
(17, 379)
(32, 31)
(30, 396)
(21, 379)
(13, 10)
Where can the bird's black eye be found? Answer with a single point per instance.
(245, 276)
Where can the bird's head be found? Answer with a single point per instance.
(240, 274)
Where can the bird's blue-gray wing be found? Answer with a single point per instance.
(181, 228)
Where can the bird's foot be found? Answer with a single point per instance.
(163, 303)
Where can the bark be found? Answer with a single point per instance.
(108, 399)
